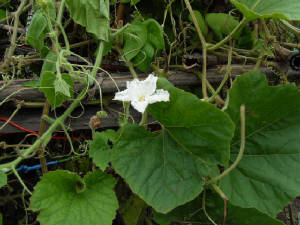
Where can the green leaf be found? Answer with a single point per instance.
(3, 178)
(32, 83)
(132, 210)
(94, 15)
(247, 39)
(140, 41)
(49, 63)
(155, 33)
(2, 14)
(37, 30)
(44, 52)
(47, 87)
(222, 24)
(107, 46)
(63, 198)
(157, 169)
(200, 20)
(100, 151)
(50, 10)
(167, 168)
(62, 87)
(253, 9)
(194, 124)
(135, 37)
(192, 213)
(144, 58)
(267, 177)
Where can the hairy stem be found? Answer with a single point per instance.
(14, 35)
(204, 50)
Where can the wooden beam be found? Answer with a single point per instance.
(108, 86)
(29, 117)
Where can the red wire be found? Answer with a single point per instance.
(34, 132)
(19, 127)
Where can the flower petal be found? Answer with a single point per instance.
(159, 96)
(132, 83)
(149, 85)
(139, 105)
(135, 89)
(124, 96)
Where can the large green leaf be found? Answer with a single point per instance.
(158, 169)
(267, 177)
(49, 63)
(65, 198)
(92, 14)
(198, 126)
(253, 9)
(135, 38)
(3, 178)
(140, 41)
(192, 213)
(222, 24)
(37, 30)
(155, 33)
(48, 88)
(167, 168)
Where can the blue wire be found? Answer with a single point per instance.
(26, 169)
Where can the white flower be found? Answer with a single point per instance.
(142, 93)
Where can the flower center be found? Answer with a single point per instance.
(141, 98)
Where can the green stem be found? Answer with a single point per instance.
(60, 12)
(227, 38)
(289, 26)
(119, 31)
(14, 35)
(241, 152)
(127, 62)
(262, 52)
(143, 121)
(228, 69)
(98, 59)
(11, 116)
(204, 208)
(210, 88)
(20, 180)
(219, 191)
(48, 133)
(65, 37)
(68, 137)
(204, 49)
(127, 106)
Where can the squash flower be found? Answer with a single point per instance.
(141, 93)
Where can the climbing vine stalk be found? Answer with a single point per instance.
(204, 50)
